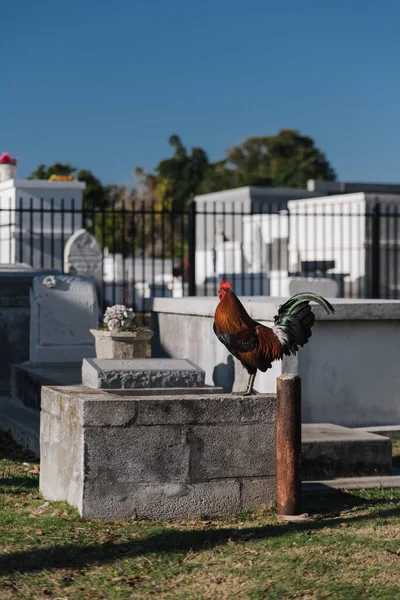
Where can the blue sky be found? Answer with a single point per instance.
(103, 85)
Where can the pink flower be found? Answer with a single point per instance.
(7, 159)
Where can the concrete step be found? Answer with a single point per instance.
(351, 483)
(28, 379)
(333, 451)
(23, 424)
(391, 431)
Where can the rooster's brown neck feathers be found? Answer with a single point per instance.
(231, 315)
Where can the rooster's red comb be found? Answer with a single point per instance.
(225, 285)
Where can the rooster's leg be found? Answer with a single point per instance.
(249, 390)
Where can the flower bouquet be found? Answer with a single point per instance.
(120, 338)
(8, 167)
(61, 178)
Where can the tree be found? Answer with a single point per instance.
(180, 176)
(94, 194)
(294, 159)
(44, 172)
(287, 159)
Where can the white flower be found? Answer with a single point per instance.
(119, 317)
(50, 281)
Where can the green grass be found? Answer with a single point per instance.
(349, 550)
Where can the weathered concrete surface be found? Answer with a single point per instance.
(28, 379)
(168, 391)
(62, 451)
(141, 373)
(341, 377)
(14, 318)
(124, 345)
(159, 457)
(332, 451)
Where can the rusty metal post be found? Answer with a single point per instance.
(288, 444)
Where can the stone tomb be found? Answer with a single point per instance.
(15, 284)
(159, 457)
(142, 373)
(116, 454)
(63, 310)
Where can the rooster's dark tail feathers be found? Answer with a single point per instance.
(295, 320)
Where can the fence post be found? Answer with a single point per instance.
(192, 248)
(375, 252)
(288, 444)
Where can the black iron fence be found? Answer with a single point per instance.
(347, 249)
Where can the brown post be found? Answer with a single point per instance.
(288, 444)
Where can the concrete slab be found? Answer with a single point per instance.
(28, 379)
(22, 423)
(137, 393)
(334, 451)
(141, 373)
(350, 483)
(390, 431)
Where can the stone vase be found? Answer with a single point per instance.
(7, 172)
(123, 345)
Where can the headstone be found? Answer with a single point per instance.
(141, 373)
(83, 256)
(63, 310)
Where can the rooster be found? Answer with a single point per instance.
(255, 345)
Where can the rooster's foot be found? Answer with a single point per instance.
(250, 393)
(245, 393)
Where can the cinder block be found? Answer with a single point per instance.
(232, 450)
(258, 492)
(141, 373)
(136, 454)
(163, 501)
(208, 410)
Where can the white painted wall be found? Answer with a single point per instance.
(21, 231)
(334, 228)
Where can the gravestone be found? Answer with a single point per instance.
(142, 373)
(83, 256)
(63, 310)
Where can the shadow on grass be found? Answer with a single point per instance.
(14, 484)
(168, 542)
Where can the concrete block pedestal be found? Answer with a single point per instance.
(159, 457)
